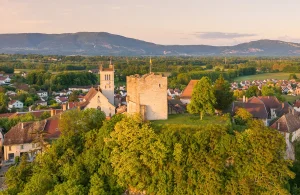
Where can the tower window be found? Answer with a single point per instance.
(159, 85)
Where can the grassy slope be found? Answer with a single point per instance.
(290, 98)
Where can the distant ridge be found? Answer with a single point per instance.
(102, 43)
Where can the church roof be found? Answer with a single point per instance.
(92, 92)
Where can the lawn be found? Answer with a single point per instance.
(290, 98)
(194, 120)
(279, 75)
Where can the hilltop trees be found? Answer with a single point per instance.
(224, 96)
(98, 156)
(203, 98)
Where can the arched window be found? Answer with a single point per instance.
(108, 77)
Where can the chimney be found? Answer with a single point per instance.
(293, 111)
(244, 98)
(22, 125)
(64, 107)
(278, 125)
(282, 105)
(52, 112)
(268, 97)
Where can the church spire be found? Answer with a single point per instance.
(110, 64)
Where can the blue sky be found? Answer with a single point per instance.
(212, 22)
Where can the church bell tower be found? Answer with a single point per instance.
(107, 84)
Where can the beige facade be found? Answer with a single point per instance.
(99, 101)
(147, 95)
(13, 151)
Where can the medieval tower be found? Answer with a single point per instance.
(147, 95)
(107, 85)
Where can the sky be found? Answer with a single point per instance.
(191, 22)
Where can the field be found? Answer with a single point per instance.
(280, 76)
(290, 98)
(194, 120)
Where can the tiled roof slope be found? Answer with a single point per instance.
(287, 123)
(187, 92)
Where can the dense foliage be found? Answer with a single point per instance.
(94, 156)
(223, 94)
(203, 98)
(61, 80)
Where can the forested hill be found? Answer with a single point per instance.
(101, 43)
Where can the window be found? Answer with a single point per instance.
(22, 147)
(9, 148)
(159, 85)
(11, 156)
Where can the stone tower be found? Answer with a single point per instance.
(107, 84)
(147, 95)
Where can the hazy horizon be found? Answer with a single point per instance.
(166, 22)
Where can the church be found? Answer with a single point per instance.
(102, 98)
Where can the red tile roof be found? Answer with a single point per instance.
(36, 114)
(257, 110)
(4, 115)
(287, 123)
(52, 129)
(23, 132)
(12, 102)
(92, 92)
(187, 92)
(72, 105)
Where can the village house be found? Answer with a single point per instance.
(41, 103)
(80, 88)
(186, 95)
(4, 80)
(15, 104)
(42, 94)
(147, 95)
(22, 139)
(61, 100)
(94, 71)
(11, 93)
(289, 126)
(264, 108)
(24, 74)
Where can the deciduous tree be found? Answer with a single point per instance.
(224, 96)
(203, 98)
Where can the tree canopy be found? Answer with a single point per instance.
(98, 156)
(223, 94)
(203, 98)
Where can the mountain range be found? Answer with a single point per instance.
(102, 43)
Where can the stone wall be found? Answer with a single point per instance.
(150, 91)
